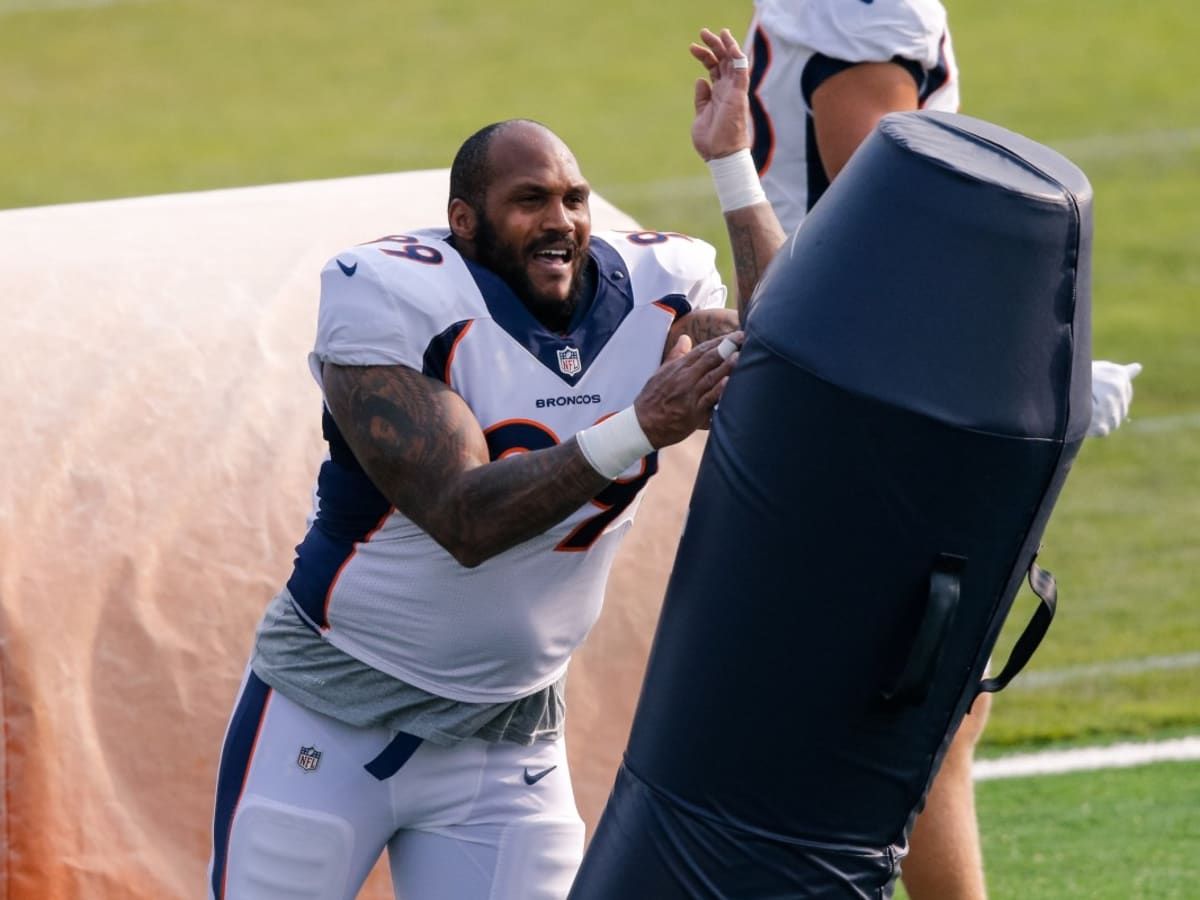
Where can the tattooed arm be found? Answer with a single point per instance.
(755, 235)
(702, 325)
(422, 446)
(720, 129)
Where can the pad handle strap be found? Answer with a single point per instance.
(945, 590)
(1046, 588)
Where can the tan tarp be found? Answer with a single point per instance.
(161, 438)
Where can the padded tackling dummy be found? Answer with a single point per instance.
(914, 385)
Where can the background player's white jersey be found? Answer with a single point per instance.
(376, 585)
(794, 45)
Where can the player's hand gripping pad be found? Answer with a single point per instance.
(914, 385)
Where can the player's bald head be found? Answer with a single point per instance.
(474, 164)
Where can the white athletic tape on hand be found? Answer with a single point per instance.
(736, 180)
(728, 347)
(615, 444)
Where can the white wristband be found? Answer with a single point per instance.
(736, 180)
(615, 444)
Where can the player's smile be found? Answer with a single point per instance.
(554, 260)
(555, 257)
(554, 273)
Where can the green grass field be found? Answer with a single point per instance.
(1104, 835)
(110, 99)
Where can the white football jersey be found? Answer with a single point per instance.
(377, 586)
(794, 45)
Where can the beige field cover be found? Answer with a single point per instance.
(162, 436)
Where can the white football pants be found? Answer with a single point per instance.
(300, 817)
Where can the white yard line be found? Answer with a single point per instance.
(1116, 756)
(1032, 681)
(25, 6)
(1106, 147)
(1163, 424)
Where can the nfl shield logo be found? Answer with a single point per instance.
(308, 759)
(569, 362)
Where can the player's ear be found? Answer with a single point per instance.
(463, 219)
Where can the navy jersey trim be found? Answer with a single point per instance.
(817, 71)
(235, 761)
(677, 303)
(913, 68)
(349, 509)
(816, 180)
(612, 303)
(935, 79)
(518, 434)
(763, 148)
(339, 450)
(440, 352)
(820, 68)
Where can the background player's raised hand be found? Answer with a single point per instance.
(721, 126)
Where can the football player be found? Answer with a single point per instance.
(495, 391)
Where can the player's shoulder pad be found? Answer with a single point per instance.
(411, 254)
(662, 255)
(417, 269)
(861, 32)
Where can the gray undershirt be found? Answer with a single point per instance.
(305, 668)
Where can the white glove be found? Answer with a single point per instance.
(1112, 392)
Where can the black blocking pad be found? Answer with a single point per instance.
(914, 386)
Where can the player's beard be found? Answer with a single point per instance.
(507, 262)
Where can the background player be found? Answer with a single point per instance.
(824, 72)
